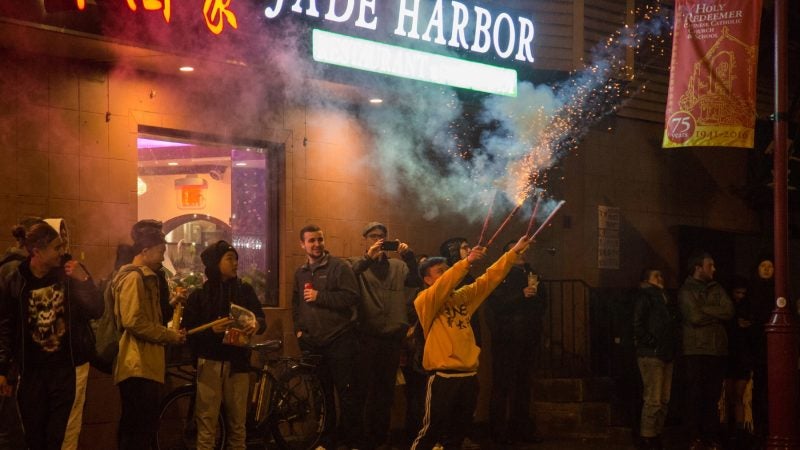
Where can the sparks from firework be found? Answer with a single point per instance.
(588, 96)
(449, 153)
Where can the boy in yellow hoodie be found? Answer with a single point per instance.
(451, 355)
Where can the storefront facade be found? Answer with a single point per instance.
(75, 107)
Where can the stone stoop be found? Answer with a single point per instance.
(573, 407)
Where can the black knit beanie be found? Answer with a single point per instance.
(212, 255)
(451, 249)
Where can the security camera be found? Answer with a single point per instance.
(216, 174)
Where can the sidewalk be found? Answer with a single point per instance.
(673, 439)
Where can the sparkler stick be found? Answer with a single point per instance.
(503, 225)
(533, 215)
(486, 221)
(549, 218)
(220, 321)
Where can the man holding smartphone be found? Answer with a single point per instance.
(388, 285)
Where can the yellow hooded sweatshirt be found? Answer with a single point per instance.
(444, 314)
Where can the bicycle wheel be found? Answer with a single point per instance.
(177, 429)
(298, 413)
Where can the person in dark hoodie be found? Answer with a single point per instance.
(45, 307)
(325, 300)
(222, 376)
(11, 433)
(514, 313)
(657, 334)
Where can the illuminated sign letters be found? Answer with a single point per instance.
(363, 54)
(452, 24)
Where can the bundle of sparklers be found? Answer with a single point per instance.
(514, 211)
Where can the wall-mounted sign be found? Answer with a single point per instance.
(216, 13)
(376, 57)
(608, 221)
(455, 25)
(459, 43)
(711, 100)
(189, 192)
(362, 34)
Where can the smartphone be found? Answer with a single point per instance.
(390, 246)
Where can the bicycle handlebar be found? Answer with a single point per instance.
(269, 346)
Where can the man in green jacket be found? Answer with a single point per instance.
(705, 307)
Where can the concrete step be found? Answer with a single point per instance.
(573, 389)
(574, 407)
(576, 419)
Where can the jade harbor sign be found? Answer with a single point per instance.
(454, 43)
(455, 25)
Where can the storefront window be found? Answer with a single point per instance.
(204, 189)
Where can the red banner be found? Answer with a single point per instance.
(712, 83)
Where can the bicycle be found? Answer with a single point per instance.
(286, 403)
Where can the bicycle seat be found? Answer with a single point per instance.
(268, 346)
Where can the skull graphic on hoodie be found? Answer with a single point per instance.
(46, 323)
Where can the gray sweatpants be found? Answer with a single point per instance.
(216, 386)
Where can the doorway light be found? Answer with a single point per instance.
(141, 187)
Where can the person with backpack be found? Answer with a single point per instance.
(106, 331)
(140, 365)
(222, 376)
(46, 302)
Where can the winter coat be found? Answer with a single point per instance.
(138, 311)
(512, 316)
(212, 302)
(82, 302)
(656, 324)
(334, 311)
(705, 307)
(386, 287)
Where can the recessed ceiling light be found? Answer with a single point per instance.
(240, 164)
(172, 163)
(186, 69)
(376, 101)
